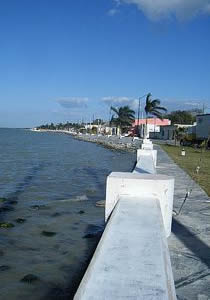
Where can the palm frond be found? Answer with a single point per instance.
(157, 114)
(161, 108)
(114, 110)
(155, 102)
(148, 97)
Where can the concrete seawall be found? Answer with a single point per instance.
(189, 242)
(132, 259)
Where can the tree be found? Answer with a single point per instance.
(181, 117)
(94, 130)
(97, 122)
(153, 107)
(124, 117)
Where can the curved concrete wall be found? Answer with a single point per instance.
(141, 185)
(132, 259)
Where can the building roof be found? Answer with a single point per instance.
(203, 115)
(153, 121)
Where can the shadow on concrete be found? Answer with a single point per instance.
(142, 171)
(184, 281)
(192, 242)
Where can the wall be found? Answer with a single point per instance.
(132, 259)
(203, 126)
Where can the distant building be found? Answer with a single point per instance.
(168, 132)
(203, 126)
(153, 126)
(102, 128)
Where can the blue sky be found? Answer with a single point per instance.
(67, 60)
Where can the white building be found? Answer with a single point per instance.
(203, 126)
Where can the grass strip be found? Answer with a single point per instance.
(194, 158)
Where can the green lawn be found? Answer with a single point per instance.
(193, 158)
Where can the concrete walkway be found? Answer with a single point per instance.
(189, 243)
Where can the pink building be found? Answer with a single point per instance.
(152, 121)
(153, 126)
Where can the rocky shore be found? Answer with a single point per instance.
(113, 142)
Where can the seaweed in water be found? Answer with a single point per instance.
(29, 278)
(48, 233)
(6, 225)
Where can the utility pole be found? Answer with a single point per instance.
(203, 108)
(98, 126)
(110, 116)
(139, 109)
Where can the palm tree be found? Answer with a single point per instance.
(124, 117)
(153, 107)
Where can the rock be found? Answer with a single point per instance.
(48, 233)
(6, 225)
(6, 208)
(37, 207)
(4, 268)
(20, 220)
(202, 297)
(90, 192)
(89, 236)
(29, 278)
(100, 203)
(13, 202)
(3, 199)
(56, 214)
(81, 212)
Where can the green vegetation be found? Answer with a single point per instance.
(194, 158)
(153, 107)
(76, 127)
(6, 225)
(59, 126)
(182, 116)
(48, 233)
(124, 117)
(3, 200)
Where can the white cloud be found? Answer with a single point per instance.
(159, 9)
(121, 101)
(181, 104)
(112, 12)
(73, 102)
(192, 103)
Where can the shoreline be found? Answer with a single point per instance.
(111, 142)
(53, 199)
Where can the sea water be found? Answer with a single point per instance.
(49, 185)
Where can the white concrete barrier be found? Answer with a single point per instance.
(147, 141)
(145, 163)
(141, 185)
(146, 144)
(132, 259)
(142, 152)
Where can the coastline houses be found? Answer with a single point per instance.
(203, 126)
(168, 132)
(152, 125)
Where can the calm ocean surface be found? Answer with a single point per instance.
(52, 181)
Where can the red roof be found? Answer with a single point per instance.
(153, 121)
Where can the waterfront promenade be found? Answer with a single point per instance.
(189, 242)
